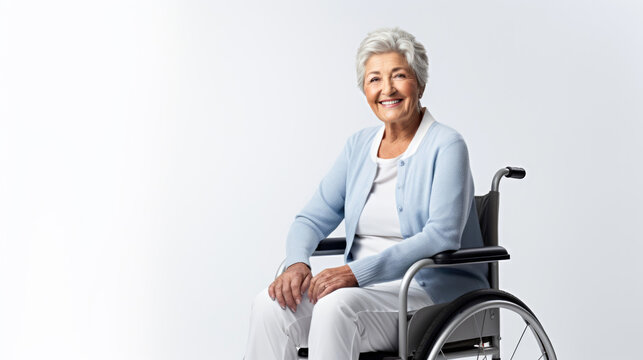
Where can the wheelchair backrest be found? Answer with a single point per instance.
(487, 207)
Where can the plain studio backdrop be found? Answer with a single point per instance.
(154, 153)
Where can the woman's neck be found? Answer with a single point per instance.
(398, 136)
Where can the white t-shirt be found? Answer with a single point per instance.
(379, 226)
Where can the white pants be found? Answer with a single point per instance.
(340, 326)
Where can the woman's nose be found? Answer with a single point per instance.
(388, 87)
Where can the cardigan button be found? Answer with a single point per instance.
(402, 163)
(400, 209)
(421, 283)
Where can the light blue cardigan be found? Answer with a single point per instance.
(436, 208)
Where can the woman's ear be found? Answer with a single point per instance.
(421, 92)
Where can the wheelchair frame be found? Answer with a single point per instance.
(466, 307)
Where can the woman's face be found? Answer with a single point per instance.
(391, 88)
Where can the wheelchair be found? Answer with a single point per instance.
(469, 326)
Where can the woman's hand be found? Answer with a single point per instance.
(291, 285)
(330, 280)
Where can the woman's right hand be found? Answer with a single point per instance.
(289, 287)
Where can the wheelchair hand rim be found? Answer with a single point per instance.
(459, 318)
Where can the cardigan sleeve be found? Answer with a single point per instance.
(323, 213)
(450, 202)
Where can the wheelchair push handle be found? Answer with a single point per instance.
(516, 172)
(510, 172)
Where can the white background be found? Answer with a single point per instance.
(154, 153)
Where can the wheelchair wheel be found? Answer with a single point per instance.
(470, 328)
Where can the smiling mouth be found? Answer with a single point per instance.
(390, 103)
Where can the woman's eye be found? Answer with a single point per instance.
(373, 79)
(400, 76)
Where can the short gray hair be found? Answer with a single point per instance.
(393, 39)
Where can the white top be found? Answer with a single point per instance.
(379, 226)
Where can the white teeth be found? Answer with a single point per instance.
(390, 102)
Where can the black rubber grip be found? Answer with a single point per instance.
(463, 256)
(516, 172)
(338, 243)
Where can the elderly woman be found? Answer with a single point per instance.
(405, 191)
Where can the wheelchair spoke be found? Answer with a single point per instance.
(519, 340)
(445, 357)
(481, 345)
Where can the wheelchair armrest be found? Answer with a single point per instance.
(471, 255)
(337, 245)
(331, 246)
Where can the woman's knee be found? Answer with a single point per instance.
(263, 307)
(342, 305)
(268, 310)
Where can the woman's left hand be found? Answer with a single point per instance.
(330, 280)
